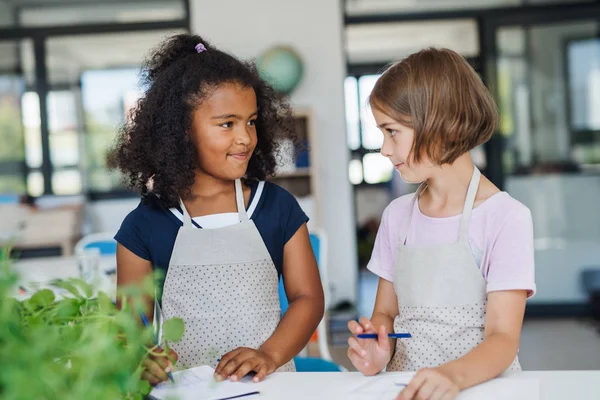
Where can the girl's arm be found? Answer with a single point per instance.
(493, 356)
(132, 270)
(305, 295)
(304, 292)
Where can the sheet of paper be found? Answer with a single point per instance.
(387, 387)
(198, 384)
(382, 387)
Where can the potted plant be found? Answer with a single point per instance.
(77, 347)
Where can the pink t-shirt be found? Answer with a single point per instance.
(500, 237)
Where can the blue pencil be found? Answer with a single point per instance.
(390, 335)
(146, 324)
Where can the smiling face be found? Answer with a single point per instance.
(224, 131)
(398, 140)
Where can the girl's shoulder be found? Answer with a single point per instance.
(399, 207)
(148, 213)
(271, 194)
(502, 206)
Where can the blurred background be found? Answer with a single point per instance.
(69, 73)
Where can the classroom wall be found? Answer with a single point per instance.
(314, 28)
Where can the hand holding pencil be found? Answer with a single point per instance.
(370, 349)
(157, 368)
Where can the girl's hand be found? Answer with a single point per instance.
(157, 367)
(369, 356)
(240, 362)
(430, 384)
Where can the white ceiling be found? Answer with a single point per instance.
(375, 43)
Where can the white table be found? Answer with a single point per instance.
(46, 269)
(546, 385)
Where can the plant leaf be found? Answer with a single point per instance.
(144, 387)
(13, 306)
(68, 308)
(34, 321)
(43, 298)
(68, 286)
(173, 329)
(105, 304)
(83, 286)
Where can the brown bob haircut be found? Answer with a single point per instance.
(438, 94)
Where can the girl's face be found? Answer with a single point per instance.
(224, 131)
(398, 140)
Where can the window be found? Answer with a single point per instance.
(11, 136)
(583, 57)
(364, 138)
(66, 85)
(30, 103)
(107, 96)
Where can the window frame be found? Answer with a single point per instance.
(39, 37)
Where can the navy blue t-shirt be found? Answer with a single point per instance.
(149, 231)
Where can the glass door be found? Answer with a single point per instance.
(544, 70)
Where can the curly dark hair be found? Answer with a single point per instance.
(153, 146)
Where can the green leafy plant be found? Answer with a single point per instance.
(78, 346)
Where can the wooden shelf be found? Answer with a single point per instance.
(300, 181)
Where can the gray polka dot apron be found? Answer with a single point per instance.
(441, 297)
(224, 285)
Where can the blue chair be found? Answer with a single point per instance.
(314, 364)
(103, 241)
(9, 199)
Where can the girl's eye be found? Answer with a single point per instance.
(252, 122)
(392, 132)
(227, 124)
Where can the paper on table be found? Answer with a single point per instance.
(383, 387)
(387, 386)
(198, 384)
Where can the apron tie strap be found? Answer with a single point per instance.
(468, 207)
(239, 197)
(187, 220)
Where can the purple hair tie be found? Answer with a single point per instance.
(200, 48)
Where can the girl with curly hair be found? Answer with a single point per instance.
(198, 148)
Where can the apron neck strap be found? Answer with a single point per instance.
(468, 207)
(239, 198)
(187, 220)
